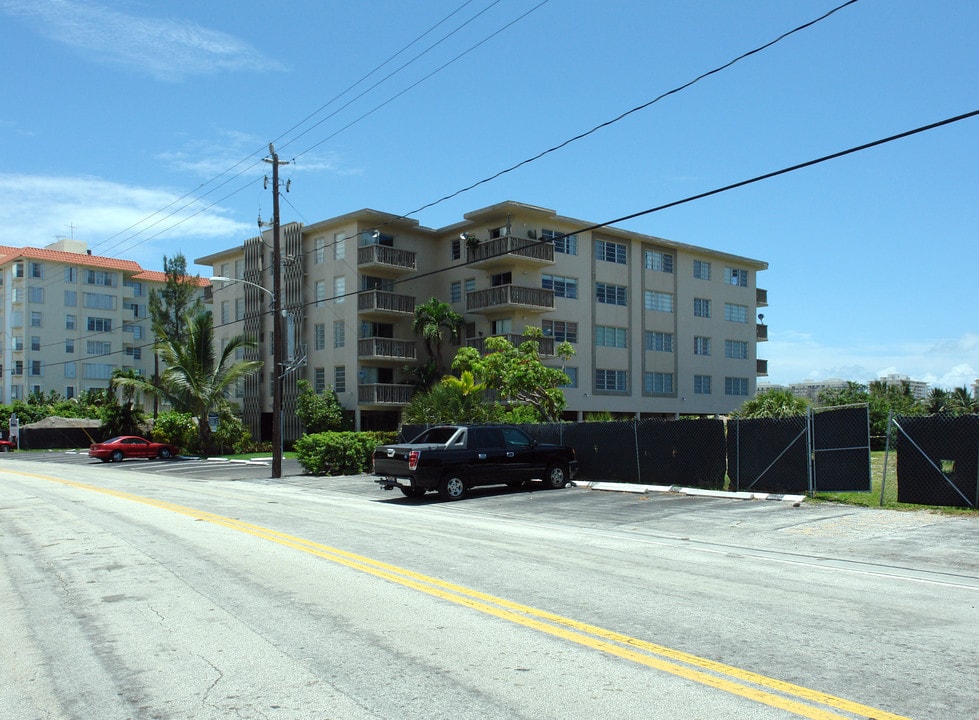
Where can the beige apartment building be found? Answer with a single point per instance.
(660, 328)
(70, 318)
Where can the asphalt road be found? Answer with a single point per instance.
(203, 590)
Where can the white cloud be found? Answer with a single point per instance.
(166, 49)
(116, 220)
(943, 362)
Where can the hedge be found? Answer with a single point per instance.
(340, 453)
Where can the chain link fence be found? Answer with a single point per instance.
(938, 459)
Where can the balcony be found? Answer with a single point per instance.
(381, 303)
(761, 368)
(509, 251)
(509, 297)
(761, 332)
(545, 346)
(384, 257)
(379, 348)
(384, 395)
(761, 297)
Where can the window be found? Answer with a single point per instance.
(656, 260)
(35, 319)
(71, 370)
(17, 318)
(659, 341)
(572, 373)
(18, 367)
(560, 330)
(339, 246)
(97, 324)
(658, 383)
(319, 292)
(658, 301)
(701, 269)
(99, 301)
(99, 277)
(470, 285)
(736, 313)
(735, 386)
(17, 342)
(339, 334)
(239, 308)
(502, 327)
(339, 289)
(18, 270)
(225, 312)
(455, 291)
(97, 371)
(340, 379)
(99, 347)
(35, 343)
(71, 274)
(36, 368)
(35, 295)
(701, 384)
(69, 346)
(455, 249)
(610, 294)
(319, 380)
(319, 336)
(134, 328)
(135, 352)
(134, 308)
(70, 322)
(736, 349)
(701, 307)
(736, 276)
(567, 244)
(319, 251)
(564, 287)
(610, 251)
(611, 380)
(610, 336)
(701, 346)
(137, 287)
(37, 270)
(503, 278)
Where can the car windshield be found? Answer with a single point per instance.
(111, 440)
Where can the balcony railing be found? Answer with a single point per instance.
(508, 248)
(381, 301)
(386, 256)
(761, 297)
(382, 348)
(761, 368)
(383, 394)
(761, 332)
(545, 346)
(505, 295)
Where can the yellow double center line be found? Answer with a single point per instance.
(796, 699)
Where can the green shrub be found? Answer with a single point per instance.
(176, 428)
(339, 453)
(231, 435)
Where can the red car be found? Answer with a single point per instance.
(7, 445)
(129, 446)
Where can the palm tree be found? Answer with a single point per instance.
(937, 400)
(433, 321)
(196, 380)
(962, 402)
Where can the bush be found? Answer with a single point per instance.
(340, 453)
(176, 428)
(231, 435)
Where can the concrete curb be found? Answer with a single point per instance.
(642, 489)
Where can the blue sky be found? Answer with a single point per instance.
(119, 118)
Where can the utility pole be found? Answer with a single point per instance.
(278, 338)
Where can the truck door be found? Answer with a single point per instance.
(520, 455)
(489, 459)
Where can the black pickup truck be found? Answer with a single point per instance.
(453, 458)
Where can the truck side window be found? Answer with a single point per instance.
(516, 437)
(486, 438)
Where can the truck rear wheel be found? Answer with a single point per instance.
(452, 487)
(555, 477)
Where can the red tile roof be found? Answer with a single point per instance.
(10, 254)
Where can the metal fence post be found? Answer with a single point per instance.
(887, 453)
